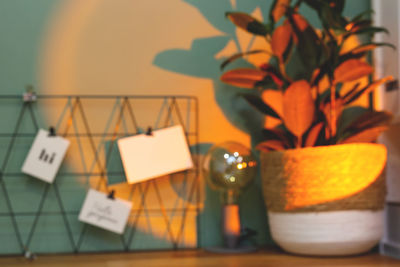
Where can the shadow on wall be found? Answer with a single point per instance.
(201, 61)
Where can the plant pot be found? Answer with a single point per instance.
(325, 200)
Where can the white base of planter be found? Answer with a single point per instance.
(327, 233)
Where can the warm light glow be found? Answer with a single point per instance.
(323, 174)
(239, 166)
(231, 220)
(252, 163)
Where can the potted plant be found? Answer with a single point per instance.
(321, 170)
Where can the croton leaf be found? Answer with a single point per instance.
(298, 107)
(240, 55)
(307, 39)
(368, 120)
(365, 136)
(367, 30)
(330, 15)
(326, 109)
(329, 11)
(243, 77)
(369, 46)
(362, 15)
(351, 70)
(247, 23)
(349, 55)
(349, 115)
(354, 95)
(354, 26)
(299, 21)
(259, 104)
(319, 73)
(281, 40)
(277, 134)
(313, 134)
(270, 145)
(351, 92)
(273, 72)
(278, 9)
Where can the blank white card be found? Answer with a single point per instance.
(149, 156)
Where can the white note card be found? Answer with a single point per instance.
(101, 211)
(45, 156)
(148, 156)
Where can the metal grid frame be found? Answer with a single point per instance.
(123, 107)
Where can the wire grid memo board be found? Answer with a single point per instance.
(37, 217)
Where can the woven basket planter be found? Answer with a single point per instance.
(325, 200)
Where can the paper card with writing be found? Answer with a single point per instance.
(45, 156)
(106, 213)
(148, 156)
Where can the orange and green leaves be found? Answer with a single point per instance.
(354, 94)
(329, 12)
(298, 107)
(366, 127)
(247, 23)
(369, 120)
(308, 41)
(362, 48)
(326, 109)
(278, 9)
(281, 40)
(365, 136)
(259, 104)
(311, 97)
(313, 135)
(351, 70)
(270, 145)
(276, 139)
(252, 78)
(240, 55)
(246, 78)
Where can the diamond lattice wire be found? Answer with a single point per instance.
(164, 211)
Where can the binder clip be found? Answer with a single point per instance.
(149, 131)
(111, 195)
(52, 132)
(29, 95)
(29, 255)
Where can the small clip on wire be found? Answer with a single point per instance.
(149, 131)
(29, 95)
(52, 132)
(111, 195)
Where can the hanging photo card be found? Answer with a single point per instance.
(45, 156)
(148, 156)
(101, 211)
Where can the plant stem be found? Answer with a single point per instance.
(332, 125)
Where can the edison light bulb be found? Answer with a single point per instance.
(229, 168)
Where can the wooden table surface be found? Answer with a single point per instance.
(268, 257)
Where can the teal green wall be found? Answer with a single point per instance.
(22, 27)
